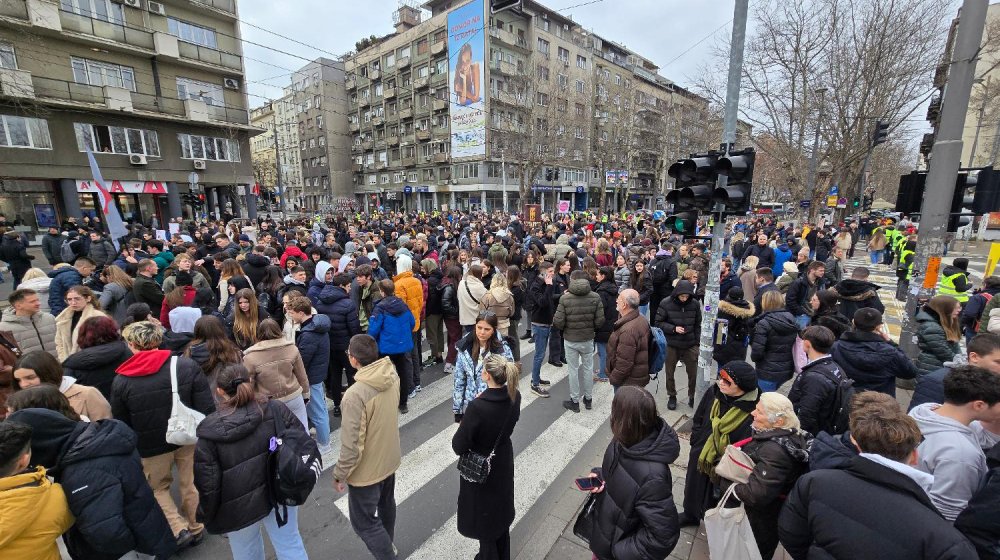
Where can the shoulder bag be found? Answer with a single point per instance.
(475, 467)
(182, 426)
(735, 465)
(468, 291)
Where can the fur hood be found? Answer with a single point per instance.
(740, 309)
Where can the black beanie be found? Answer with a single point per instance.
(183, 278)
(734, 294)
(742, 374)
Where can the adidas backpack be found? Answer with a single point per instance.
(294, 464)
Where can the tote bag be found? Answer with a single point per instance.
(183, 422)
(735, 465)
(729, 534)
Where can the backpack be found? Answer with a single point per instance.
(66, 252)
(986, 300)
(294, 465)
(837, 421)
(660, 273)
(266, 301)
(657, 351)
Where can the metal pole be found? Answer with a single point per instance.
(277, 176)
(711, 309)
(503, 175)
(814, 160)
(946, 155)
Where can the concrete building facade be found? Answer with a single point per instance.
(154, 89)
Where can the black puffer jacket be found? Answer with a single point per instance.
(449, 298)
(780, 457)
(609, 296)
(230, 465)
(740, 316)
(433, 294)
(95, 366)
(861, 509)
(100, 471)
(813, 394)
(141, 396)
(857, 294)
(672, 314)
(255, 266)
(980, 522)
(872, 362)
(635, 514)
(771, 347)
(334, 302)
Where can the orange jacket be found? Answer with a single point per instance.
(410, 290)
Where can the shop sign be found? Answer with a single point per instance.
(130, 187)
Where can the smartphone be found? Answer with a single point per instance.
(588, 483)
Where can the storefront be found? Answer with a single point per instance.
(137, 201)
(29, 203)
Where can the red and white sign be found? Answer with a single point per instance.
(131, 187)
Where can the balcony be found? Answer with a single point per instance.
(403, 62)
(364, 101)
(514, 99)
(393, 140)
(421, 83)
(440, 158)
(374, 75)
(389, 93)
(423, 135)
(409, 161)
(352, 83)
(16, 83)
(395, 163)
(367, 145)
(508, 38)
(380, 144)
(358, 168)
(503, 67)
(355, 127)
(210, 56)
(228, 6)
(16, 10)
(440, 104)
(356, 149)
(438, 47)
(380, 165)
(104, 30)
(406, 113)
(442, 130)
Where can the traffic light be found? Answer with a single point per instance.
(987, 197)
(501, 5)
(910, 195)
(694, 186)
(961, 203)
(881, 134)
(866, 203)
(738, 168)
(684, 223)
(856, 202)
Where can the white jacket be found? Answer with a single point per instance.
(468, 305)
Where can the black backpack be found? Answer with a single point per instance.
(294, 465)
(660, 273)
(837, 421)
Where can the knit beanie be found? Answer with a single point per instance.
(734, 294)
(742, 374)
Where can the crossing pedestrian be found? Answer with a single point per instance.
(578, 316)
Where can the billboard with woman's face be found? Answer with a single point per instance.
(466, 53)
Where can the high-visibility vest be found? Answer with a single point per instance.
(902, 259)
(947, 288)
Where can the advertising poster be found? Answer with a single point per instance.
(45, 216)
(467, 60)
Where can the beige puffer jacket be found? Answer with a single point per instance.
(34, 333)
(501, 302)
(276, 368)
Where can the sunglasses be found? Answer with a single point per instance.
(724, 377)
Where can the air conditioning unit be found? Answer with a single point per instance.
(199, 164)
(432, 70)
(132, 3)
(231, 83)
(427, 158)
(153, 7)
(137, 159)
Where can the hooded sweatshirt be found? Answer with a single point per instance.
(370, 449)
(951, 452)
(34, 513)
(391, 325)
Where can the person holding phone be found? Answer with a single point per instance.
(635, 512)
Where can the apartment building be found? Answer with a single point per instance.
(154, 89)
(286, 122)
(560, 106)
(263, 154)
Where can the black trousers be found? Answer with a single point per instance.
(556, 353)
(339, 365)
(373, 516)
(495, 549)
(404, 369)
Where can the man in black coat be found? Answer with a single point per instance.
(141, 397)
(255, 265)
(802, 290)
(52, 246)
(857, 292)
(15, 254)
(100, 470)
(870, 357)
(895, 520)
(762, 251)
(679, 316)
(145, 289)
(814, 391)
(764, 280)
(335, 302)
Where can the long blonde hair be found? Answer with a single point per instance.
(33, 273)
(116, 275)
(503, 372)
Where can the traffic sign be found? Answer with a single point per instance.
(841, 202)
(805, 203)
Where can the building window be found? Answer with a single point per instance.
(428, 174)
(373, 179)
(543, 46)
(7, 58)
(441, 66)
(542, 99)
(24, 132)
(398, 177)
(422, 47)
(580, 86)
(191, 33)
(319, 122)
(116, 140)
(317, 101)
(104, 10)
(390, 60)
(411, 176)
(580, 109)
(563, 54)
(422, 72)
(312, 143)
(322, 141)
(404, 52)
(206, 147)
(581, 62)
(97, 73)
(384, 179)
(543, 73)
(211, 94)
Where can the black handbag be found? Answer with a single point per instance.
(475, 467)
(584, 525)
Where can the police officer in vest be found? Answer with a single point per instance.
(891, 235)
(904, 269)
(955, 281)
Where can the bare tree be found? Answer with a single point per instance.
(875, 59)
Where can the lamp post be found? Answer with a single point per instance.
(814, 160)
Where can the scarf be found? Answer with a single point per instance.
(722, 426)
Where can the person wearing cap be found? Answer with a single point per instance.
(870, 357)
(722, 418)
(246, 244)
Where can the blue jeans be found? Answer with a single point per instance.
(644, 310)
(876, 256)
(803, 320)
(248, 543)
(768, 386)
(602, 358)
(541, 334)
(318, 414)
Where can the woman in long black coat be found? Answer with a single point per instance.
(635, 515)
(486, 511)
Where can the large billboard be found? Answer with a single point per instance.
(467, 58)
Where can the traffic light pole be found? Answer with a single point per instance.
(945, 160)
(711, 309)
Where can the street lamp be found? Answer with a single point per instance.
(814, 161)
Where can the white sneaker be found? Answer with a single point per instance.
(449, 368)
(325, 449)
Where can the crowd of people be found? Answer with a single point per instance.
(264, 332)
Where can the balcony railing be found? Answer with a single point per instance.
(440, 104)
(389, 93)
(423, 135)
(351, 83)
(111, 31)
(440, 158)
(224, 5)
(421, 83)
(210, 56)
(438, 47)
(406, 113)
(17, 10)
(355, 127)
(403, 62)
(409, 161)
(394, 140)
